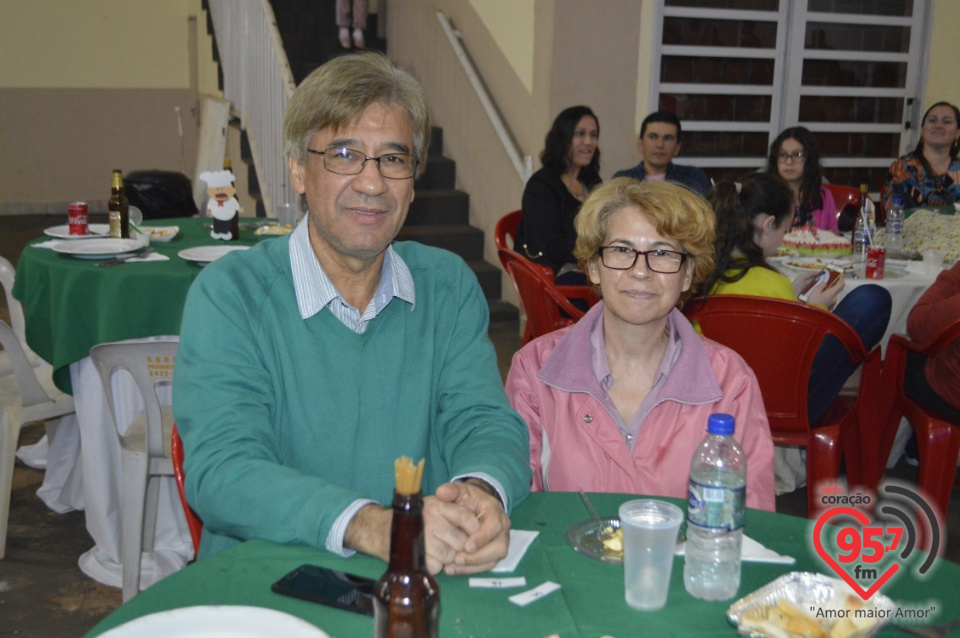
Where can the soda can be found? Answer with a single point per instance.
(77, 218)
(876, 262)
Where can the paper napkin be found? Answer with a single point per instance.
(753, 552)
(53, 243)
(519, 542)
(150, 257)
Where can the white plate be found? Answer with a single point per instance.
(101, 248)
(206, 254)
(813, 264)
(63, 231)
(219, 621)
(161, 234)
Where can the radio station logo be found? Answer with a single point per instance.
(867, 553)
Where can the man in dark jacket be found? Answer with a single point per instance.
(659, 143)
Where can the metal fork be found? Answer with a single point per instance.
(120, 260)
(602, 533)
(934, 631)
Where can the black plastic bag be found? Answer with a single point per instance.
(160, 194)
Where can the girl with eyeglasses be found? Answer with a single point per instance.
(929, 175)
(619, 401)
(794, 157)
(752, 217)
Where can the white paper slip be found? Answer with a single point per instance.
(536, 593)
(753, 552)
(150, 257)
(519, 543)
(498, 583)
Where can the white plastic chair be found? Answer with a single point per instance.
(7, 274)
(26, 396)
(144, 444)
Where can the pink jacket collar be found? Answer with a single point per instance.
(691, 380)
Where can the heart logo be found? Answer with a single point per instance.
(818, 544)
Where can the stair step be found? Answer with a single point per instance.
(436, 142)
(489, 278)
(439, 207)
(440, 173)
(501, 311)
(465, 241)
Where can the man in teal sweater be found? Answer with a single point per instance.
(308, 364)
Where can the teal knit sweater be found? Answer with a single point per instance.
(287, 421)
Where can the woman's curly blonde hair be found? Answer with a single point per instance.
(678, 214)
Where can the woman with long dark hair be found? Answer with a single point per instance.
(795, 158)
(553, 195)
(929, 175)
(752, 217)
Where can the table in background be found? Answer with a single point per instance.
(590, 602)
(71, 305)
(904, 293)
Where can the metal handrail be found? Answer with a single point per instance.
(258, 82)
(522, 164)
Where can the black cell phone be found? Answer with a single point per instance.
(328, 587)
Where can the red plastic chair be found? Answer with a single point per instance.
(779, 340)
(504, 235)
(844, 196)
(938, 437)
(546, 304)
(193, 521)
(506, 229)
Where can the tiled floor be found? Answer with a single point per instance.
(43, 594)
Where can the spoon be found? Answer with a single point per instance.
(602, 532)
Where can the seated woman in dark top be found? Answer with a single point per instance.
(552, 196)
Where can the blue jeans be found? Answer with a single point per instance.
(867, 310)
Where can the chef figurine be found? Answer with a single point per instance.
(222, 205)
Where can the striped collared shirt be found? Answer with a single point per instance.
(315, 291)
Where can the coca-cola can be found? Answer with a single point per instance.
(876, 262)
(77, 218)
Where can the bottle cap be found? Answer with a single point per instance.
(722, 424)
(897, 201)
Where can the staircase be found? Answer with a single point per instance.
(439, 215)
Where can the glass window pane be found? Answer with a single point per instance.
(690, 69)
(719, 108)
(897, 8)
(854, 73)
(725, 144)
(857, 144)
(720, 33)
(835, 108)
(865, 37)
(748, 5)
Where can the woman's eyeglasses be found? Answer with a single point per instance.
(796, 156)
(624, 258)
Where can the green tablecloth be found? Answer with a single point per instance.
(590, 602)
(71, 305)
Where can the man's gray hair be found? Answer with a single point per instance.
(337, 93)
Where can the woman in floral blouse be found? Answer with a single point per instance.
(930, 174)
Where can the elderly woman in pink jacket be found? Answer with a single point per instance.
(619, 401)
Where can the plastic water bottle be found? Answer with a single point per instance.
(863, 227)
(893, 236)
(715, 512)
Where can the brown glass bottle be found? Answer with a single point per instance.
(406, 600)
(118, 209)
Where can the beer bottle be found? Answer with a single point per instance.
(118, 209)
(406, 600)
(235, 222)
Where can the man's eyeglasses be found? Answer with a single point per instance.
(623, 258)
(797, 156)
(347, 161)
